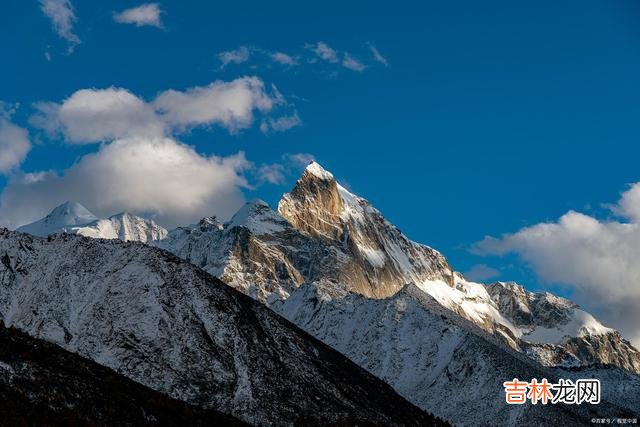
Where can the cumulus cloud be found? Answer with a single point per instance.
(230, 105)
(629, 204)
(62, 17)
(596, 259)
(481, 272)
(98, 115)
(351, 63)
(143, 175)
(237, 56)
(14, 143)
(145, 14)
(140, 166)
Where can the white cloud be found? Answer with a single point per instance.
(230, 105)
(281, 124)
(481, 272)
(140, 167)
(596, 259)
(237, 56)
(14, 143)
(145, 14)
(92, 115)
(142, 175)
(629, 204)
(62, 17)
(324, 51)
(98, 115)
(377, 56)
(283, 58)
(351, 63)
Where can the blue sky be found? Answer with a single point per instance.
(488, 117)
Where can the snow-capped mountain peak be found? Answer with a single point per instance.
(73, 218)
(60, 219)
(258, 217)
(314, 206)
(322, 208)
(124, 226)
(318, 171)
(72, 211)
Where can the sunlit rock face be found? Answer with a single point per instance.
(381, 260)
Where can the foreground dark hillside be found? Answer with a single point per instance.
(42, 384)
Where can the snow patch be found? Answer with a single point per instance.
(580, 324)
(258, 217)
(315, 169)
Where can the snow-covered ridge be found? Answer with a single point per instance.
(365, 254)
(123, 226)
(258, 217)
(73, 218)
(434, 358)
(61, 219)
(562, 321)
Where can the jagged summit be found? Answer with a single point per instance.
(258, 217)
(314, 205)
(210, 222)
(124, 226)
(60, 219)
(318, 171)
(386, 259)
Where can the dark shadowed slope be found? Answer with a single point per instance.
(42, 384)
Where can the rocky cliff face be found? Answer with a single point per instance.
(315, 205)
(170, 326)
(556, 332)
(257, 252)
(322, 232)
(381, 259)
